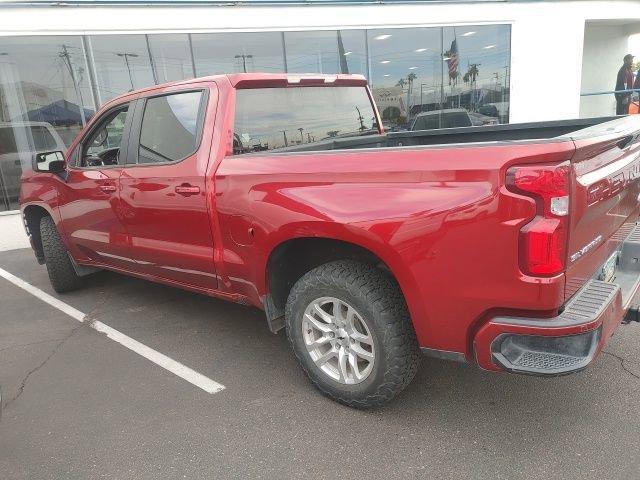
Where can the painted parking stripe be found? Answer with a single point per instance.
(177, 368)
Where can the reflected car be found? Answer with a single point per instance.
(18, 142)
(499, 110)
(478, 119)
(447, 118)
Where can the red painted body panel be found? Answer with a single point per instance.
(165, 214)
(439, 217)
(427, 220)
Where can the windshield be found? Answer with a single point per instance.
(271, 118)
(449, 120)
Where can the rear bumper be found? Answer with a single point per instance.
(570, 341)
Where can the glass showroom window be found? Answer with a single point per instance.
(476, 76)
(171, 55)
(427, 78)
(326, 51)
(45, 98)
(122, 64)
(406, 73)
(217, 53)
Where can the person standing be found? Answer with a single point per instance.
(624, 81)
(634, 106)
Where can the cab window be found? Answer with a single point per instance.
(102, 147)
(170, 127)
(276, 118)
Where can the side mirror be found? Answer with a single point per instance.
(51, 162)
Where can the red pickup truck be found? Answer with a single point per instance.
(512, 247)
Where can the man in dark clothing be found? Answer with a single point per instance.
(624, 81)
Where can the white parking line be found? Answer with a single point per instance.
(150, 354)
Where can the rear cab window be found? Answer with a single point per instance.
(275, 118)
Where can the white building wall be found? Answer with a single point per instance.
(547, 37)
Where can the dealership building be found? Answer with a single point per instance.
(499, 61)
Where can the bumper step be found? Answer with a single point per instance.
(546, 355)
(550, 355)
(546, 361)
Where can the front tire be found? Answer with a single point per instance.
(62, 275)
(349, 328)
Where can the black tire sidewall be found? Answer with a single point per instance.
(62, 275)
(351, 294)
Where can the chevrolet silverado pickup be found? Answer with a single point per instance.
(511, 247)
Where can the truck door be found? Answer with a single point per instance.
(88, 198)
(163, 189)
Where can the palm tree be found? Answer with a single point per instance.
(401, 83)
(410, 78)
(472, 74)
(473, 71)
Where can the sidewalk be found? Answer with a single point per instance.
(12, 234)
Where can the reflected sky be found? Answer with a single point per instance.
(267, 116)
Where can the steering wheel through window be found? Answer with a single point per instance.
(102, 147)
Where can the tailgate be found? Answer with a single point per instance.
(605, 196)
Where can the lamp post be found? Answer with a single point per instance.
(126, 56)
(244, 61)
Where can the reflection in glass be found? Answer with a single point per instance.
(169, 128)
(442, 70)
(219, 53)
(477, 70)
(425, 77)
(171, 57)
(326, 51)
(406, 71)
(122, 64)
(45, 99)
(271, 118)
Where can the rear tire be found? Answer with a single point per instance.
(62, 275)
(358, 317)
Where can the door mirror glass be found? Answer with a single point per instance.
(52, 162)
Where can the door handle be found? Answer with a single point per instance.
(186, 189)
(108, 188)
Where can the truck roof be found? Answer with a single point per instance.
(261, 80)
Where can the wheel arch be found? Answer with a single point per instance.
(290, 259)
(32, 214)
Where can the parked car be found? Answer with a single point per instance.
(446, 118)
(18, 142)
(478, 119)
(514, 249)
(499, 110)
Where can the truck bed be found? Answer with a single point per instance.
(487, 133)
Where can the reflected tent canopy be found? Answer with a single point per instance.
(57, 113)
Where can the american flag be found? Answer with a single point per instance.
(452, 60)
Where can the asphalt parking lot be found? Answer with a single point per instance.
(79, 405)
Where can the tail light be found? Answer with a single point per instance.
(543, 241)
